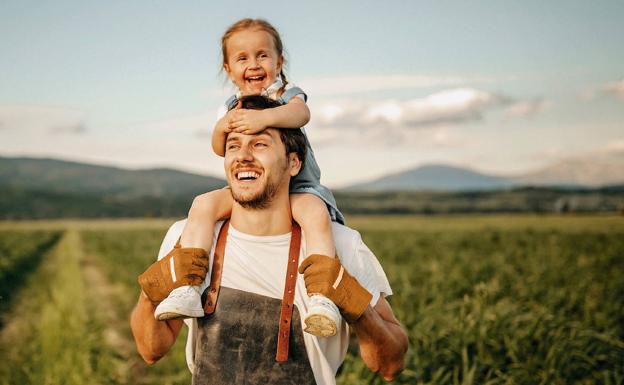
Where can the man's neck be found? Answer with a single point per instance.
(273, 220)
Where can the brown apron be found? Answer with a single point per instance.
(245, 338)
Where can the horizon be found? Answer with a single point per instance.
(501, 88)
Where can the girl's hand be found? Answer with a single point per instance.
(247, 122)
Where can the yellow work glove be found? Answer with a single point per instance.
(181, 267)
(326, 275)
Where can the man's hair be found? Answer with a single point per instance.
(294, 140)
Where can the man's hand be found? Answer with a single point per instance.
(181, 267)
(325, 275)
(246, 122)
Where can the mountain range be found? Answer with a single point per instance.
(60, 176)
(33, 188)
(571, 173)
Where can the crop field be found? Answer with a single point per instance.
(485, 300)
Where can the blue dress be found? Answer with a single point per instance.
(309, 178)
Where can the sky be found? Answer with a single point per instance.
(501, 87)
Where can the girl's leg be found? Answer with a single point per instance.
(311, 213)
(205, 211)
(323, 317)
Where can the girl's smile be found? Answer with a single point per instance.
(253, 63)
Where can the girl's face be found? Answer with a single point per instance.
(252, 61)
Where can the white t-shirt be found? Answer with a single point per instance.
(257, 264)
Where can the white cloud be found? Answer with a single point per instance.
(615, 146)
(450, 106)
(344, 85)
(615, 89)
(611, 89)
(33, 118)
(527, 108)
(197, 125)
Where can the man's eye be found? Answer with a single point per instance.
(231, 147)
(261, 144)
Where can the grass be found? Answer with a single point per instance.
(485, 300)
(50, 337)
(122, 261)
(20, 254)
(526, 302)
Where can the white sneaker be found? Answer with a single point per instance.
(183, 302)
(323, 317)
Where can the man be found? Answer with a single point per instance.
(237, 343)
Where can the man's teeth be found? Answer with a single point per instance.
(245, 175)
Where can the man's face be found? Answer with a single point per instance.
(257, 167)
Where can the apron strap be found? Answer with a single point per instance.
(289, 295)
(217, 268)
(289, 286)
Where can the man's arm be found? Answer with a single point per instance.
(382, 340)
(153, 338)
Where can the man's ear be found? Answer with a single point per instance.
(294, 164)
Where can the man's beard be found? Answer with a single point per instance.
(263, 199)
(258, 201)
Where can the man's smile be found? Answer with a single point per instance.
(247, 175)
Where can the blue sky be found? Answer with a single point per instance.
(498, 86)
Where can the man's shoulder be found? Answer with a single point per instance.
(173, 233)
(344, 231)
(345, 238)
(177, 227)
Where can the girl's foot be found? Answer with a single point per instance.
(323, 317)
(183, 302)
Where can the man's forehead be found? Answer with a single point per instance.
(270, 132)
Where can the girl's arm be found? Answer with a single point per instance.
(294, 114)
(219, 134)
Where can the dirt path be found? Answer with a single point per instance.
(115, 326)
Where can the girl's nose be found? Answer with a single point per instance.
(253, 63)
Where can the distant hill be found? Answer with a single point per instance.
(49, 188)
(576, 172)
(434, 178)
(570, 173)
(59, 176)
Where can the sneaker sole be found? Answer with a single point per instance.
(320, 326)
(169, 315)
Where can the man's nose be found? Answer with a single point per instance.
(244, 154)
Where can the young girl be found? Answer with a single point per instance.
(253, 60)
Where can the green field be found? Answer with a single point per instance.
(485, 300)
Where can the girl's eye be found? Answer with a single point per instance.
(241, 58)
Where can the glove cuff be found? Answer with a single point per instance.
(355, 298)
